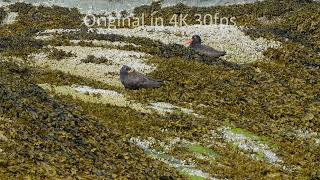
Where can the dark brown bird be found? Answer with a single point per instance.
(135, 80)
(195, 43)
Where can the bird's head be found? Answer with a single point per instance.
(195, 40)
(126, 69)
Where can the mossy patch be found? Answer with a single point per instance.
(245, 14)
(100, 60)
(20, 46)
(188, 170)
(58, 78)
(58, 54)
(3, 15)
(201, 150)
(41, 17)
(43, 129)
(197, 178)
(265, 98)
(249, 134)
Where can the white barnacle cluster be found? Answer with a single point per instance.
(240, 48)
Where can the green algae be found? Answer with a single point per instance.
(133, 123)
(58, 54)
(19, 46)
(201, 150)
(16, 38)
(245, 14)
(219, 92)
(58, 78)
(50, 139)
(273, 99)
(261, 156)
(185, 170)
(249, 134)
(93, 59)
(40, 18)
(197, 178)
(244, 132)
(3, 15)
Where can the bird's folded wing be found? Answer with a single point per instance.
(136, 79)
(210, 51)
(140, 80)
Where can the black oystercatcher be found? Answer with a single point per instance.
(135, 80)
(195, 44)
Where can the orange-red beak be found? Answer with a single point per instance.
(188, 42)
(131, 71)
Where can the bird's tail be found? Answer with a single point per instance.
(154, 84)
(222, 53)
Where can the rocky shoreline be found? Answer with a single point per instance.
(64, 113)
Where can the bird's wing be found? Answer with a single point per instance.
(207, 50)
(151, 83)
(141, 80)
(135, 77)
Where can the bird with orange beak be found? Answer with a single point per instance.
(131, 79)
(195, 44)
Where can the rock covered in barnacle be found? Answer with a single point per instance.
(224, 37)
